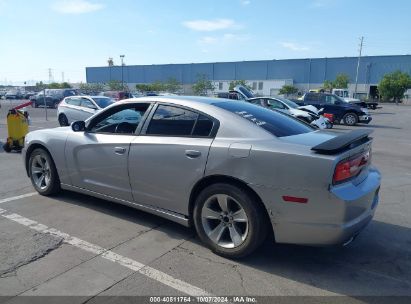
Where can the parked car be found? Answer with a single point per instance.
(117, 95)
(28, 94)
(309, 115)
(53, 97)
(13, 94)
(233, 170)
(80, 108)
(344, 112)
(291, 108)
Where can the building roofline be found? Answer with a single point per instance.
(254, 61)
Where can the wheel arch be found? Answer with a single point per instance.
(30, 149)
(215, 179)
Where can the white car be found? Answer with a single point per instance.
(76, 108)
(309, 115)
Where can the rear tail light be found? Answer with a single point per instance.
(350, 168)
(329, 116)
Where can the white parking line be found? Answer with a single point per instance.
(148, 271)
(15, 198)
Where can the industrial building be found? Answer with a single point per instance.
(266, 76)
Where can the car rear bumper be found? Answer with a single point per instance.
(353, 207)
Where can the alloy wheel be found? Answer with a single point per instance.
(224, 221)
(40, 172)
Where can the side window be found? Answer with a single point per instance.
(120, 120)
(172, 121)
(203, 126)
(87, 103)
(275, 104)
(175, 121)
(329, 99)
(312, 98)
(73, 101)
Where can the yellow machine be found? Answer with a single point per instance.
(18, 127)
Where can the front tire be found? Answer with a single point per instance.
(63, 121)
(350, 119)
(43, 173)
(229, 220)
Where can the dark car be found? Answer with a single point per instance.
(345, 112)
(117, 95)
(53, 97)
(13, 94)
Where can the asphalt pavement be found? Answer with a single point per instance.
(75, 245)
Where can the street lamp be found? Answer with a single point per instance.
(122, 74)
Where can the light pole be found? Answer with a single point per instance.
(122, 75)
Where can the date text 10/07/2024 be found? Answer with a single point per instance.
(203, 299)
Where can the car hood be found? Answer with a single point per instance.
(297, 112)
(310, 139)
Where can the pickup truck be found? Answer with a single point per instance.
(345, 94)
(343, 111)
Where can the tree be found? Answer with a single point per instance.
(288, 90)
(40, 86)
(115, 85)
(172, 85)
(91, 88)
(203, 85)
(65, 85)
(54, 85)
(341, 81)
(143, 87)
(235, 83)
(328, 85)
(393, 85)
(157, 86)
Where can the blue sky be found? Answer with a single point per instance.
(68, 35)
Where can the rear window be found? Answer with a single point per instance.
(276, 123)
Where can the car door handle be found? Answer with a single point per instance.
(192, 153)
(119, 150)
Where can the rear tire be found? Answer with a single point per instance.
(63, 121)
(350, 119)
(236, 231)
(7, 148)
(43, 173)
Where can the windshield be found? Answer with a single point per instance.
(340, 99)
(103, 102)
(288, 102)
(245, 91)
(275, 122)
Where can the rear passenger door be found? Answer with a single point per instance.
(170, 156)
(86, 109)
(73, 109)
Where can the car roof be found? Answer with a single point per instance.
(179, 100)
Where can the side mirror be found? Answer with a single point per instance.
(78, 126)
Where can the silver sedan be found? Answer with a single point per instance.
(234, 170)
(75, 108)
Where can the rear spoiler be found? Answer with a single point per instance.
(343, 142)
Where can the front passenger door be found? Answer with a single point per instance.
(98, 158)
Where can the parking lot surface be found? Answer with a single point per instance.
(75, 245)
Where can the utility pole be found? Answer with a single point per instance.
(122, 74)
(62, 76)
(50, 75)
(358, 65)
